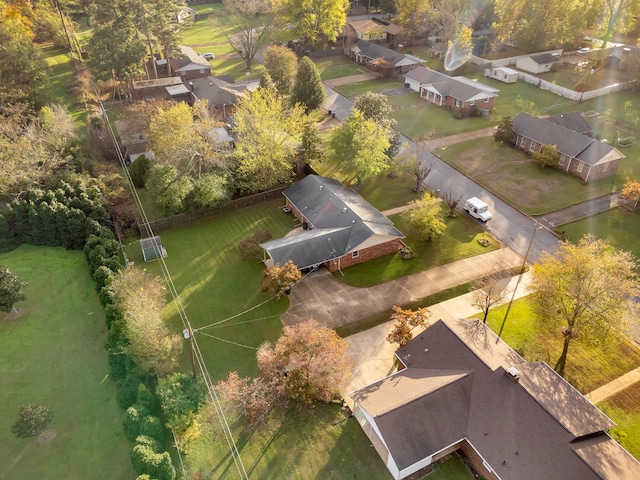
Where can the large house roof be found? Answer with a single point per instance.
(573, 121)
(456, 388)
(568, 142)
(189, 60)
(375, 51)
(216, 90)
(341, 220)
(455, 87)
(543, 58)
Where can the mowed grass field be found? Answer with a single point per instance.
(54, 356)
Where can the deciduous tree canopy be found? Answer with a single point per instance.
(585, 291)
(425, 217)
(316, 20)
(10, 289)
(282, 64)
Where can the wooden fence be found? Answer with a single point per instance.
(184, 219)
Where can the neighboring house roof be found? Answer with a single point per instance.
(450, 87)
(342, 222)
(567, 142)
(362, 26)
(573, 121)
(373, 50)
(130, 134)
(189, 60)
(216, 91)
(543, 58)
(455, 388)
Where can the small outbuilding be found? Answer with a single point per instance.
(537, 63)
(503, 74)
(152, 249)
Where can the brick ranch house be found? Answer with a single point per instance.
(460, 388)
(339, 227)
(368, 54)
(457, 93)
(580, 155)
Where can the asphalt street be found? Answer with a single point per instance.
(510, 226)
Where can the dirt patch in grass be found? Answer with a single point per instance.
(46, 437)
(628, 399)
(13, 315)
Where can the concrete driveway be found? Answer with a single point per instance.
(332, 303)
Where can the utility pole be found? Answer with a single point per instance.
(188, 334)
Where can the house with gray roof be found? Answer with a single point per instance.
(339, 227)
(456, 93)
(573, 121)
(580, 155)
(460, 388)
(372, 54)
(537, 63)
(220, 93)
(189, 65)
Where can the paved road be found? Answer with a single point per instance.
(512, 227)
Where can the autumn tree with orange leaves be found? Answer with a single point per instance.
(405, 322)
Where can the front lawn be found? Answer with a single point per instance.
(215, 283)
(459, 241)
(237, 68)
(619, 227)
(511, 175)
(54, 356)
(58, 77)
(588, 366)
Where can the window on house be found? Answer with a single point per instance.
(605, 167)
(140, 137)
(472, 102)
(458, 103)
(580, 167)
(522, 142)
(533, 146)
(486, 100)
(562, 161)
(355, 254)
(202, 70)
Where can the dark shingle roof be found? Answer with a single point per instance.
(446, 85)
(216, 91)
(573, 121)
(341, 219)
(373, 50)
(544, 58)
(568, 142)
(538, 427)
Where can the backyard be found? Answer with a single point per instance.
(624, 409)
(54, 356)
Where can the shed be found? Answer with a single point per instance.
(503, 74)
(537, 63)
(152, 249)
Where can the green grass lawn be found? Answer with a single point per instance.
(309, 442)
(217, 8)
(399, 102)
(588, 367)
(336, 67)
(377, 85)
(508, 173)
(459, 241)
(59, 75)
(451, 469)
(207, 31)
(624, 409)
(237, 68)
(215, 283)
(54, 356)
(619, 227)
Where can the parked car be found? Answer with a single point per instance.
(208, 56)
(582, 50)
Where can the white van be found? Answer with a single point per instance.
(477, 209)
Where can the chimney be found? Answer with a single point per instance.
(191, 86)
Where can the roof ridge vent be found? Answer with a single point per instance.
(344, 209)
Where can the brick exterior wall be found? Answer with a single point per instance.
(476, 461)
(451, 102)
(191, 74)
(348, 260)
(597, 172)
(364, 255)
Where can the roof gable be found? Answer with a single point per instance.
(512, 424)
(373, 50)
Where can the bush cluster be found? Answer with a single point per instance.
(249, 247)
(73, 216)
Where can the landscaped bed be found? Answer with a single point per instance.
(54, 356)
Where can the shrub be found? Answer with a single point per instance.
(152, 427)
(138, 170)
(249, 247)
(127, 393)
(31, 421)
(133, 421)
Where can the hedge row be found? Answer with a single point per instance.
(73, 216)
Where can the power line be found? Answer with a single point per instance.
(233, 449)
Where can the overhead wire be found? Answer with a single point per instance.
(233, 449)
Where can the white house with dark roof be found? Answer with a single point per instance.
(339, 227)
(366, 53)
(580, 155)
(457, 93)
(537, 63)
(460, 388)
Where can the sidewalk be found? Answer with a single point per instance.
(614, 386)
(373, 355)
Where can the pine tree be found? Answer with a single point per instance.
(308, 89)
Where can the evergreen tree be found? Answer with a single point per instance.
(308, 89)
